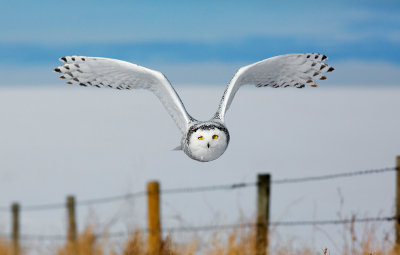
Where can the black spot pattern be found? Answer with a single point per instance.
(207, 126)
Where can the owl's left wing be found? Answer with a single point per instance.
(113, 73)
(291, 70)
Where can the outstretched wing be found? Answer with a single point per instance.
(112, 73)
(292, 70)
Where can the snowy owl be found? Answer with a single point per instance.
(202, 140)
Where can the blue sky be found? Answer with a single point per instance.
(173, 35)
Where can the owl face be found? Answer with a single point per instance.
(207, 142)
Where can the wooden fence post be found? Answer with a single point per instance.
(72, 232)
(397, 222)
(15, 250)
(263, 196)
(154, 222)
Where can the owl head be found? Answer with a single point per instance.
(206, 141)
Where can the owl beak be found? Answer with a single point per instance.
(208, 145)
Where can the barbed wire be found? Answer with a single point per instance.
(334, 176)
(331, 222)
(219, 227)
(133, 195)
(56, 206)
(202, 189)
(209, 188)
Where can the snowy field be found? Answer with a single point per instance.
(93, 143)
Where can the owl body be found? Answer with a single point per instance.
(205, 140)
(201, 140)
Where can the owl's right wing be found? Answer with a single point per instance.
(291, 70)
(112, 73)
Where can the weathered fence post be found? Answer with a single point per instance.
(263, 195)
(72, 232)
(15, 229)
(154, 222)
(397, 222)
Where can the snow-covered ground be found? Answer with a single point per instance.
(93, 143)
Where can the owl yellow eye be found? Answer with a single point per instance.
(215, 137)
(200, 137)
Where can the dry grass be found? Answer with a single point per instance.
(135, 244)
(87, 244)
(239, 241)
(5, 247)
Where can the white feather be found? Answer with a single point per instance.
(105, 72)
(291, 70)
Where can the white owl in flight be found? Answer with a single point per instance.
(202, 140)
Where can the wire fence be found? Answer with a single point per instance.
(170, 230)
(210, 188)
(334, 176)
(240, 185)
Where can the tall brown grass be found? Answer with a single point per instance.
(5, 247)
(237, 241)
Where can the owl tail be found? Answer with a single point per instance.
(178, 148)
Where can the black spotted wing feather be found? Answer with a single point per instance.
(291, 70)
(112, 73)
